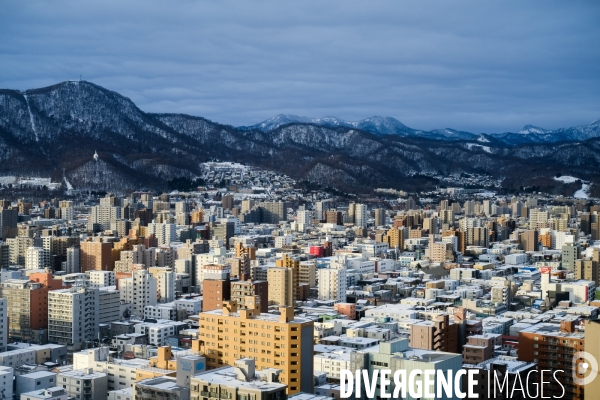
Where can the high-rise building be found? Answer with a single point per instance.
(8, 223)
(447, 217)
(139, 290)
(273, 212)
(380, 217)
(570, 254)
(37, 258)
(227, 201)
(95, 255)
(240, 290)
(281, 286)
(552, 346)
(165, 283)
(17, 248)
(529, 240)
(538, 219)
(223, 231)
(28, 304)
(308, 273)
(334, 217)
(478, 237)
(100, 217)
(360, 215)
(395, 238)
(3, 324)
(165, 232)
(284, 342)
(333, 282)
(216, 286)
(247, 205)
(73, 315)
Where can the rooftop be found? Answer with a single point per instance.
(227, 376)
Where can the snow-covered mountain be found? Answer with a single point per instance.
(377, 125)
(55, 131)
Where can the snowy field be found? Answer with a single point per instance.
(566, 179)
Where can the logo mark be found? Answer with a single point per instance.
(585, 368)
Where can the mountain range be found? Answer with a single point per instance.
(391, 126)
(55, 131)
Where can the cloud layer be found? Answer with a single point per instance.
(468, 65)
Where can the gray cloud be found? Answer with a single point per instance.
(468, 65)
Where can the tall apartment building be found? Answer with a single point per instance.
(240, 267)
(37, 258)
(140, 290)
(431, 225)
(332, 283)
(282, 341)
(138, 254)
(395, 238)
(529, 240)
(538, 219)
(227, 201)
(308, 273)
(569, 256)
(273, 212)
(478, 236)
(17, 248)
(73, 315)
(28, 304)
(9, 217)
(334, 217)
(240, 250)
(3, 324)
(281, 286)
(95, 255)
(284, 281)
(72, 260)
(165, 283)
(223, 231)
(589, 269)
(240, 290)
(438, 334)
(165, 232)
(216, 286)
(361, 215)
(100, 217)
(109, 305)
(552, 347)
(380, 217)
(102, 278)
(447, 217)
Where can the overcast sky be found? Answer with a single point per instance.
(471, 65)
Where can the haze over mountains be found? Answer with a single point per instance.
(54, 131)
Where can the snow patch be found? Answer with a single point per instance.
(583, 193)
(37, 139)
(68, 184)
(470, 146)
(566, 179)
(482, 139)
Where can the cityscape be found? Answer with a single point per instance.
(310, 200)
(249, 286)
